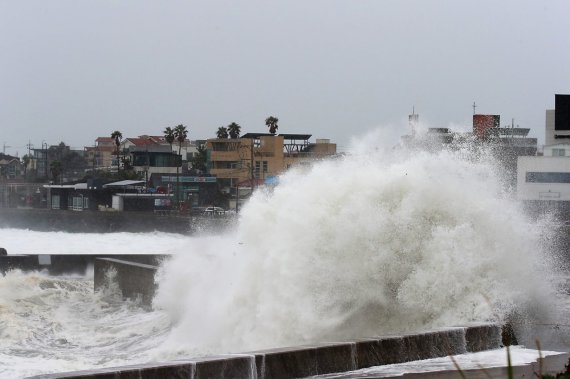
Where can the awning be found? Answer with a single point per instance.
(124, 183)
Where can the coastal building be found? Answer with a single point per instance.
(10, 167)
(100, 156)
(543, 178)
(543, 182)
(186, 150)
(506, 143)
(257, 157)
(558, 121)
(557, 150)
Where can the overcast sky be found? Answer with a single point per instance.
(75, 70)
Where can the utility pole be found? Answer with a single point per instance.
(474, 108)
(4, 149)
(252, 176)
(30, 147)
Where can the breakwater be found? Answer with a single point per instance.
(311, 360)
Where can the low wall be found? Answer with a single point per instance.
(50, 220)
(135, 280)
(305, 361)
(60, 264)
(134, 274)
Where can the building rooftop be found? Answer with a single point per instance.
(500, 132)
(285, 136)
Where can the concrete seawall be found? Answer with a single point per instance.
(134, 274)
(92, 221)
(49, 220)
(307, 361)
(135, 280)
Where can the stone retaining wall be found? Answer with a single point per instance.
(306, 361)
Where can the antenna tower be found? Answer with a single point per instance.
(413, 120)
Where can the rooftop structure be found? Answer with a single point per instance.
(257, 156)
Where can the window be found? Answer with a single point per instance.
(55, 202)
(257, 168)
(558, 152)
(548, 177)
(265, 166)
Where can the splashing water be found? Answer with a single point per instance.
(55, 324)
(369, 244)
(372, 243)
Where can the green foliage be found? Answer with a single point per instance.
(55, 170)
(180, 134)
(271, 123)
(222, 132)
(200, 159)
(117, 136)
(169, 135)
(234, 130)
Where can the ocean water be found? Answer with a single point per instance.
(376, 242)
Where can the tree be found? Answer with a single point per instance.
(271, 123)
(169, 136)
(234, 130)
(55, 169)
(180, 134)
(25, 162)
(117, 136)
(72, 163)
(200, 159)
(222, 132)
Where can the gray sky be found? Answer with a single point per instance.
(74, 70)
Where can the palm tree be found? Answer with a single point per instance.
(117, 136)
(169, 136)
(222, 132)
(271, 123)
(26, 161)
(180, 134)
(234, 130)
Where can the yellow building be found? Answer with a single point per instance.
(254, 157)
(100, 156)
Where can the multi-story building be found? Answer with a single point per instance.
(255, 157)
(543, 183)
(543, 178)
(100, 156)
(10, 167)
(558, 121)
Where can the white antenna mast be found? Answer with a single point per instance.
(413, 120)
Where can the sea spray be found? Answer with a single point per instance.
(377, 242)
(56, 324)
(372, 243)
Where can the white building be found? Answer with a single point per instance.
(557, 150)
(558, 121)
(543, 178)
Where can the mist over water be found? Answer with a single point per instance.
(377, 242)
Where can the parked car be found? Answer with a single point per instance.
(214, 211)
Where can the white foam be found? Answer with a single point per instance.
(374, 243)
